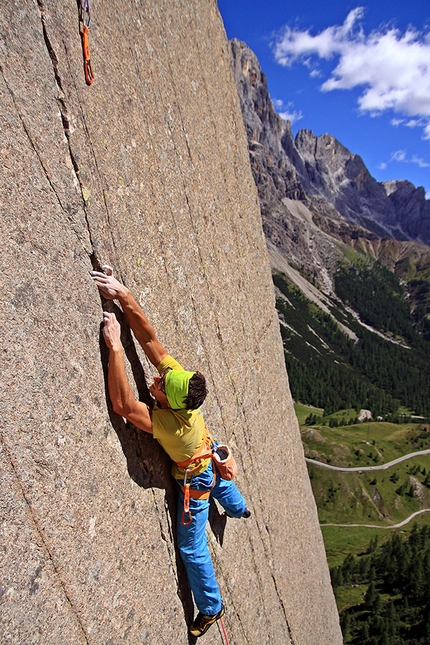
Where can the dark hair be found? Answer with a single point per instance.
(197, 391)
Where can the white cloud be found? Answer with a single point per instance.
(392, 67)
(286, 111)
(421, 163)
(291, 116)
(293, 44)
(401, 156)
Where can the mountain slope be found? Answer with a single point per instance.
(319, 170)
(341, 238)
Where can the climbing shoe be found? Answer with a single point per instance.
(202, 623)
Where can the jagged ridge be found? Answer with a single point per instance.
(339, 197)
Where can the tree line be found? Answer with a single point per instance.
(396, 606)
(330, 370)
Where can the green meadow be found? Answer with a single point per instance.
(378, 497)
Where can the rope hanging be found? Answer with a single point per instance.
(224, 631)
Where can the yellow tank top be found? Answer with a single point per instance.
(179, 432)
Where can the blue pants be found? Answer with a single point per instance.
(192, 540)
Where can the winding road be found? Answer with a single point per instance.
(378, 526)
(360, 469)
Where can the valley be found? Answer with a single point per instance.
(351, 269)
(371, 482)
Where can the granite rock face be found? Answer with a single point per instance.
(320, 172)
(289, 215)
(147, 170)
(412, 209)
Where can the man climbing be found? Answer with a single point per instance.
(177, 423)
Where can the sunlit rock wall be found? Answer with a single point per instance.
(147, 170)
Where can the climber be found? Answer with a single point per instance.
(177, 423)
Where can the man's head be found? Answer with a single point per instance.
(197, 391)
(183, 390)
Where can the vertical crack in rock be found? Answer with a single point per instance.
(281, 602)
(44, 542)
(66, 126)
(61, 98)
(168, 540)
(30, 139)
(64, 113)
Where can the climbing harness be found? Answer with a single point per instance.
(222, 460)
(84, 24)
(204, 452)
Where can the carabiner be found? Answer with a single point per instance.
(84, 23)
(186, 509)
(85, 13)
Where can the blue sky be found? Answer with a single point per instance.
(358, 71)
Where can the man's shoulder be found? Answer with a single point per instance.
(169, 362)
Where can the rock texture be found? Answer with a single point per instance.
(147, 170)
(321, 173)
(412, 209)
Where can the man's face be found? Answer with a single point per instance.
(157, 389)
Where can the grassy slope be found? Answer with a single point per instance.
(368, 497)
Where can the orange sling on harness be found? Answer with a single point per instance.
(204, 452)
(223, 462)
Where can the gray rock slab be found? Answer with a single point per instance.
(147, 169)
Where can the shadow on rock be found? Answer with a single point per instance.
(217, 522)
(147, 463)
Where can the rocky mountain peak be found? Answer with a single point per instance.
(411, 207)
(263, 124)
(319, 170)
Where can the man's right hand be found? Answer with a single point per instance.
(109, 286)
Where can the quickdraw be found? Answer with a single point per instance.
(186, 509)
(84, 24)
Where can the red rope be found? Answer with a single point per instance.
(224, 631)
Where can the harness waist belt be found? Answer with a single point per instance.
(197, 494)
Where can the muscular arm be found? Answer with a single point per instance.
(120, 393)
(111, 289)
(142, 328)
